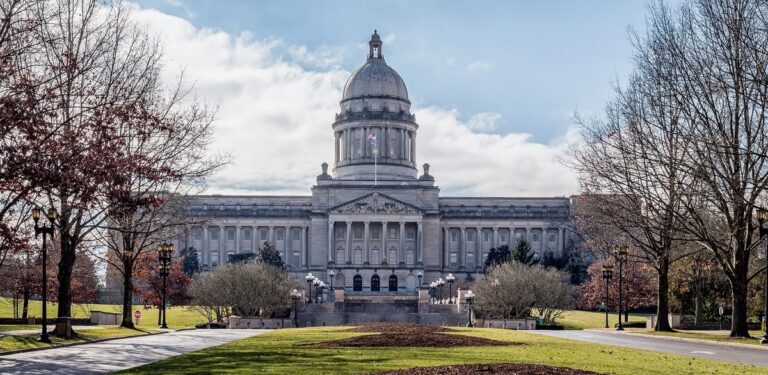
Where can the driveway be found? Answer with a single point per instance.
(114, 355)
(741, 354)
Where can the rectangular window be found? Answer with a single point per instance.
(358, 233)
(375, 233)
(392, 233)
(454, 236)
(454, 259)
(470, 260)
(198, 234)
(281, 234)
(215, 234)
(410, 234)
(503, 237)
(535, 237)
(471, 236)
(552, 237)
(264, 234)
(339, 233)
(297, 234)
(230, 234)
(488, 236)
(247, 234)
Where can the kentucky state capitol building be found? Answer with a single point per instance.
(374, 219)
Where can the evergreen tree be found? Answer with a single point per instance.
(523, 253)
(268, 254)
(191, 264)
(241, 257)
(497, 256)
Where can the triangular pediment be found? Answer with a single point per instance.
(375, 203)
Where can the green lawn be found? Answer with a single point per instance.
(755, 340)
(283, 352)
(9, 343)
(178, 316)
(575, 319)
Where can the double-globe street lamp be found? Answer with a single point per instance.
(607, 276)
(331, 293)
(420, 275)
(433, 291)
(470, 299)
(164, 252)
(45, 230)
(310, 278)
(761, 216)
(295, 296)
(621, 255)
(316, 282)
(450, 279)
(440, 283)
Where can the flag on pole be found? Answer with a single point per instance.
(372, 139)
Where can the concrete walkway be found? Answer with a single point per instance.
(114, 355)
(711, 350)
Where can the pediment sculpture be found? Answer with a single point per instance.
(376, 204)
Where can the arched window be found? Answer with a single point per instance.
(357, 283)
(375, 283)
(393, 283)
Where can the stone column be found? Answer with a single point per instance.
(270, 236)
(336, 142)
(384, 142)
(238, 234)
(560, 242)
(366, 227)
(349, 242)
(288, 249)
(446, 258)
(463, 247)
(511, 239)
(413, 147)
(478, 244)
(401, 253)
(330, 240)
(222, 244)
(384, 251)
(528, 235)
(304, 254)
(496, 237)
(419, 243)
(206, 247)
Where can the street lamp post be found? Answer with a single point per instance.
(761, 215)
(331, 293)
(295, 296)
(45, 230)
(433, 291)
(420, 275)
(164, 252)
(470, 298)
(450, 279)
(621, 253)
(309, 279)
(316, 283)
(607, 276)
(440, 283)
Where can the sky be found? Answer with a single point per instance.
(494, 84)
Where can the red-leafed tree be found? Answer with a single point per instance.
(149, 284)
(639, 282)
(20, 278)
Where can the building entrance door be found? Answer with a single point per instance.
(357, 283)
(375, 283)
(393, 283)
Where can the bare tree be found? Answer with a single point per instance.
(716, 64)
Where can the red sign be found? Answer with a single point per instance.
(137, 314)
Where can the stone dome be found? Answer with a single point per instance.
(375, 79)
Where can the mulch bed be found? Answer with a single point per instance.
(484, 369)
(408, 335)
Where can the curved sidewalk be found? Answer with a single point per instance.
(711, 350)
(120, 354)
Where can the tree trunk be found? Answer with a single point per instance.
(739, 310)
(25, 304)
(662, 308)
(64, 276)
(127, 295)
(698, 298)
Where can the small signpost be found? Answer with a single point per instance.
(720, 310)
(137, 315)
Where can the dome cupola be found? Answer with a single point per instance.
(375, 131)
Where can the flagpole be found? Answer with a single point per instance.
(375, 166)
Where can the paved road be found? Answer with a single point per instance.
(22, 332)
(754, 356)
(114, 355)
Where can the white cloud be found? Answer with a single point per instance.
(180, 4)
(479, 66)
(388, 39)
(484, 122)
(276, 113)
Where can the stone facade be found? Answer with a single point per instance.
(374, 220)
